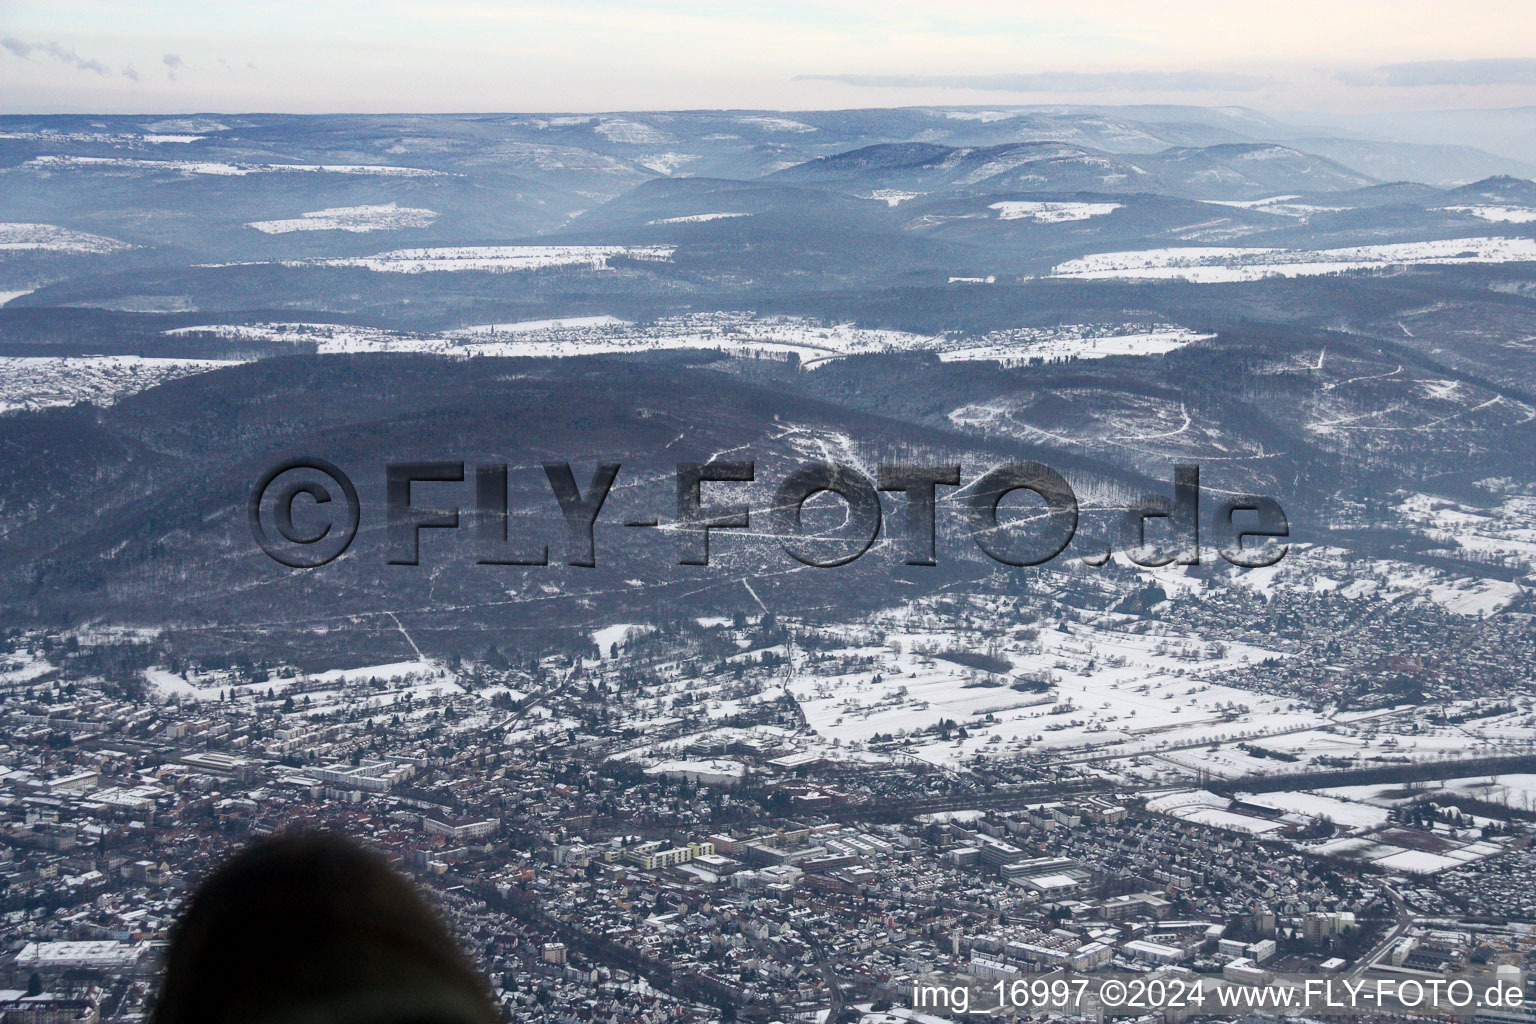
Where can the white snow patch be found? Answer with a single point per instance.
(1497, 214)
(385, 217)
(493, 258)
(187, 168)
(1051, 212)
(1219, 264)
(697, 218)
(15, 237)
(1067, 345)
(38, 382)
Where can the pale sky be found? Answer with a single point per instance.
(101, 56)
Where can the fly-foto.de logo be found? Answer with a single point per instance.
(305, 513)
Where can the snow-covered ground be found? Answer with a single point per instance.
(666, 163)
(610, 636)
(1346, 814)
(1206, 808)
(1051, 212)
(630, 132)
(1390, 856)
(1220, 264)
(494, 258)
(1364, 832)
(384, 217)
(770, 123)
(130, 140)
(1515, 791)
(529, 326)
(186, 168)
(1498, 214)
(1109, 689)
(1251, 204)
(697, 218)
(1066, 342)
(743, 334)
(1506, 530)
(37, 382)
(420, 678)
(16, 237)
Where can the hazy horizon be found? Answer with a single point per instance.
(84, 56)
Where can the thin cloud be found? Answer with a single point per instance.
(173, 63)
(1062, 81)
(23, 49)
(1493, 71)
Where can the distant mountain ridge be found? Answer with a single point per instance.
(1223, 171)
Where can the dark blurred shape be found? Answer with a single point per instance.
(313, 929)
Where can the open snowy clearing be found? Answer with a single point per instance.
(743, 334)
(1497, 214)
(385, 217)
(1222, 264)
(493, 258)
(697, 218)
(39, 382)
(1108, 690)
(16, 237)
(1068, 344)
(187, 168)
(1506, 531)
(1392, 857)
(1051, 212)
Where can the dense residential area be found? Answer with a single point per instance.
(758, 816)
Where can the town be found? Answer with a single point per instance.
(774, 818)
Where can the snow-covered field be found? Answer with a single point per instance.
(131, 140)
(738, 333)
(1110, 690)
(697, 218)
(1206, 808)
(769, 123)
(1498, 214)
(420, 678)
(1346, 814)
(1221, 264)
(1364, 832)
(1014, 348)
(1515, 791)
(1389, 580)
(186, 168)
(529, 326)
(15, 237)
(494, 258)
(37, 382)
(1051, 212)
(385, 217)
(630, 132)
(1251, 204)
(1385, 854)
(1506, 531)
(328, 338)
(742, 334)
